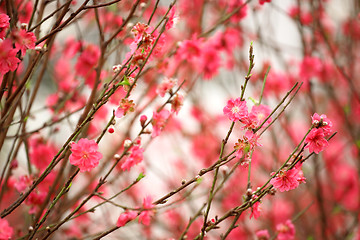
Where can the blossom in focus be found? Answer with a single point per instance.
(316, 141)
(286, 180)
(8, 59)
(125, 217)
(257, 115)
(286, 231)
(24, 40)
(322, 122)
(236, 109)
(85, 154)
(125, 106)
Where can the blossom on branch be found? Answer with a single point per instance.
(316, 141)
(125, 217)
(286, 180)
(85, 154)
(236, 109)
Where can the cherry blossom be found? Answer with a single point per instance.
(286, 180)
(125, 217)
(85, 154)
(316, 141)
(236, 109)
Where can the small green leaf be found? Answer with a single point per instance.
(310, 238)
(141, 176)
(254, 101)
(125, 81)
(26, 118)
(67, 189)
(199, 180)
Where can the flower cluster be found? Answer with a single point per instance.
(316, 139)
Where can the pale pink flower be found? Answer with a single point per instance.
(6, 231)
(286, 180)
(85, 154)
(286, 231)
(236, 109)
(125, 217)
(147, 213)
(166, 85)
(257, 115)
(176, 103)
(316, 141)
(262, 235)
(135, 157)
(209, 61)
(125, 106)
(158, 121)
(189, 49)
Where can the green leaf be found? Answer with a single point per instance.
(310, 238)
(254, 101)
(125, 81)
(141, 176)
(199, 180)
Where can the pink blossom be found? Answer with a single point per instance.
(255, 210)
(126, 106)
(286, 231)
(24, 40)
(87, 60)
(245, 144)
(316, 141)
(42, 154)
(85, 154)
(6, 231)
(257, 115)
(322, 122)
(147, 213)
(158, 121)
(286, 180)
(176, 103)
(135, 157)
(125, 217)
(209, 61)
(4, 24)
(236, 109)
(8, 59)
(166, 85)
(23, 182)
(189, 49)
(262, 235)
